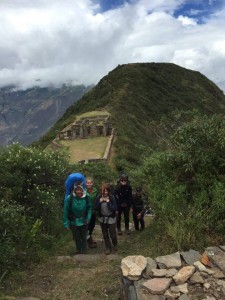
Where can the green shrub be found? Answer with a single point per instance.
(32, 192)
(186, 182)
(19, 238)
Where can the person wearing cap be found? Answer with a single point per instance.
(77, 215)
(123, 195)
(138, 208)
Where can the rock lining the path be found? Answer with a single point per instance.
(178, 276)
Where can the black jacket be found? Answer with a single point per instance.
(123, 195)
(137, 203)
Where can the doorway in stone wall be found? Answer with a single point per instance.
(100, 130)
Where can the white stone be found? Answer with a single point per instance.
(184, 274)
(200, 266)
(207, 285)
(133, 266)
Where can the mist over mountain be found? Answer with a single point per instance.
(26, 115)
(135, 94)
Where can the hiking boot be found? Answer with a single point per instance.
(91, 243)
(115, 249)
(127, 231)
(107, 251)
(119, 232)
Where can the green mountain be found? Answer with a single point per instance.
(137, 95)
(27, 115)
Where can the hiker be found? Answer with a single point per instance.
(73, 180)
(106, 207)
(92, 190)
(137, 204)
(77, 215)
(123, 195)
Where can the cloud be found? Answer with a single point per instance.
(53, 42)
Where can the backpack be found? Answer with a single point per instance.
(71, 179)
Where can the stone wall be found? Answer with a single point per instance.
(181, 275)
(99, 125)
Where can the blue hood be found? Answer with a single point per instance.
(71, 179)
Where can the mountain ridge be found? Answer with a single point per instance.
(27, 115)
(138, 94)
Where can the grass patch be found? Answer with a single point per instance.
(83, 149)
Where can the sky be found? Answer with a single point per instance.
(48, 43)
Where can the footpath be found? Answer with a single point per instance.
(186, 275)
(67, 276)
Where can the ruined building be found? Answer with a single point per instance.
(85, 127)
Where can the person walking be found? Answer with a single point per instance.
(138, 202)
(92, 190)
(77, 215)
(123, 195)
(106, 207)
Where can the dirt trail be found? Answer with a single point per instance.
(70, 277)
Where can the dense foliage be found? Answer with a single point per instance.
(32, 193)
(186, 182)
(30, 207)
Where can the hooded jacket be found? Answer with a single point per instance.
(81, 209)
(71, 179)
(123, 193)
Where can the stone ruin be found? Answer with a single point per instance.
(85, 127)
(179, 276)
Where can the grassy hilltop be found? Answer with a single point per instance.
(137, 95)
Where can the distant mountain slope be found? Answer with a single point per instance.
(27, 115)
(137, 94)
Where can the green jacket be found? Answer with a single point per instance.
(93, 197)
(81, 208)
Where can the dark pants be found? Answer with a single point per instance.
(91, 224)
(137, 221)
(125, 210)
(80, 237)
(109, 232)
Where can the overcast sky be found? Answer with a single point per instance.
(79, 41)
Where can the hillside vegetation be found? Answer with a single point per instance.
(138, 96)
(170, 130)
